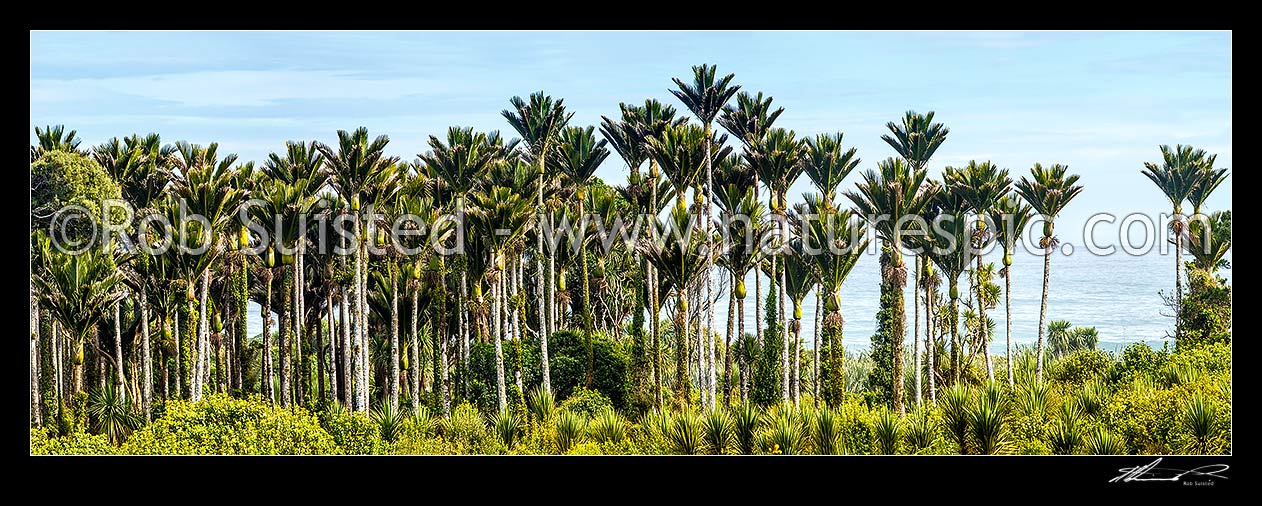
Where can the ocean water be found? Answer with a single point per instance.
(1118, 294)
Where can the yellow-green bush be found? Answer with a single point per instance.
(221, 425)
(354, 433)
(44, 441)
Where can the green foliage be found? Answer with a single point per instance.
(1137, 360)
(1079, 367)
(826, 432)
(887, 431)
(389, 421)
(1065, 436)
(685, 433)
(45, 441)
(571, 428)
(922, 430)
(720, 430)
(542, 406)
(72, 414)
(856, 428)
(609, 427)
(886, 341)
(568, 361)
(1092, 398)
(746, 419)
(221, 425)
(784, 433)
(1102, 441)
(956, 405)
(467, 432)
(62, 178)
(111, 414)
(587, 403)
(1034, 399)
(507, 427)
(987, 422)
(1199, 417)
(765, 390)
(354, 433)
(1205, 313)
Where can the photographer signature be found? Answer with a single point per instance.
(1151, 472)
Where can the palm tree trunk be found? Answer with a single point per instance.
(1007, 310)
(709, 263)
(118, 352)
(347, 350)
(268, 386)
(983, 329)
(416, 370)
(300, 320)
(956, 355)
(931, 347)
(517, 324)
(203, 350)
(681, 354)
(1047, 265)
(330, 342)
(497, 298)
(655, 329)
(1178, 281)
(146, 358)
(443, 341)
(36, 410)
(241, 291)
(744, 366)
(587, 302)
(795, 392)
(815, 347)
(464, 334)
(394, 338)
(915, 340)
(286, 320)
(783, 316)
(356, 385)
(727, 345)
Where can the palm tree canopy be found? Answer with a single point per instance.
(205, 182)
(706, 95)
(357, 163)
(732, 177)
(744, 227)
(1206, 184)
(462, 161)
(835, 238)
(799, 273)
(680, 257)
(889, 193)
(502, 218)
(1049, 190)
(1178, 175)
(578, 153)
(78, 289)
(751, 117)
(777, 158)
(300, 162)
(680, 151)
(827, 164)
(1209, 241)
(54, 138)
(917, 138)
(948, 237)
(538, 120)
(1011, 215)
(980, 184)
(140, 165)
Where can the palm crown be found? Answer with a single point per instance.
(917, 138)
(1048, 192)
(706, 95)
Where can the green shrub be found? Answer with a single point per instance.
(568, 360)
(922, 430)
(587, 403)
(826, 432)
(887, 431)
(784, 433)
(856, 428)
(467, 432)
(1102, 441)
(745, 422)
(59, 179)
(571, 427)
(609, 427)
(44, 441)
(221, 425)
(1205, 311)
(1137, 360)
(1079, 367)
(720, 430)
(353, 433)
(542, 405)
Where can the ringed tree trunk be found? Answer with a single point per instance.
(121, 381)
(983, 330)
(146, 357)
(416, 370)
(394, 338)
(953, 321)
(1007, 309)
(727, 345)
(815, 347)
(915, 347)
(497, 299)
(931, 344)
(1047, 264)
(286, 319)
(681, 350)
(36, 409)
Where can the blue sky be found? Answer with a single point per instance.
(1100, 102)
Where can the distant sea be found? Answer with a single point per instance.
(1119, 295)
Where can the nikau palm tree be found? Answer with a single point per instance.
(1010, 215)
(884, 198)
(540, 123)
(1048, 191)
(705, 97)
(981, 185)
